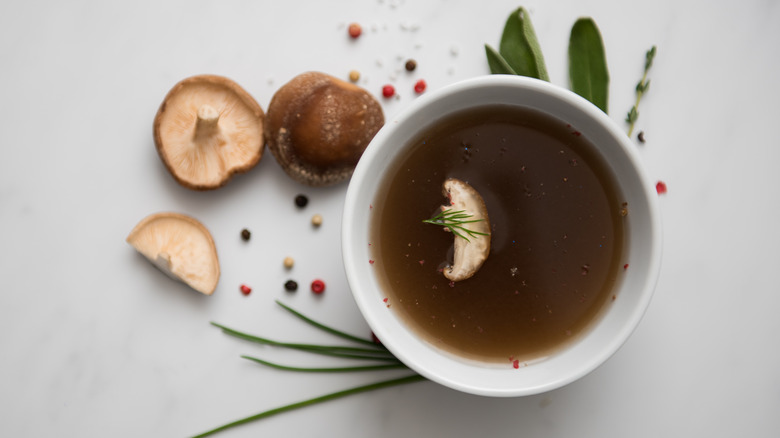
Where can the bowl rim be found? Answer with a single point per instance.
(354, 265)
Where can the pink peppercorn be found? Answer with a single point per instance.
(318, 286)
(246, 290)
(388, 91)
(419, 86)
(354, 30)
(660, 187)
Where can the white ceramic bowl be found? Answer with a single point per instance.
(642, 240)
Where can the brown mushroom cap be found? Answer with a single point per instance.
(318, 126)
(207, 130)
(180, 246)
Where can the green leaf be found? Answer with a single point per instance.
(520, 48)
(497, 63)
(588, 64)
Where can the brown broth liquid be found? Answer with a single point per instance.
(557, 235)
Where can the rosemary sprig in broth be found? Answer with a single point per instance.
(454, 221)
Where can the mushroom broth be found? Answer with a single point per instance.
(557, 235)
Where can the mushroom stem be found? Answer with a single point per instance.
(207, 122)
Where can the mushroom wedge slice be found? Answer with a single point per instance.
(472, 239)
(208, 129)
(181, 247)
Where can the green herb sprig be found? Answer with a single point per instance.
(455, 221)
(370, 351)
(641, 89)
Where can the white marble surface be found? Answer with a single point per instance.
(95, 342)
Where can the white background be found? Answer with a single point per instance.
(95, 342)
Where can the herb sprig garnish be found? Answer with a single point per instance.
(454, 221)
(371, 351)
(641, 89)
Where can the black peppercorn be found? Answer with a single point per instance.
(245, 234)
(641, 136)
(411, 65)
(291, 286)
(301, 201)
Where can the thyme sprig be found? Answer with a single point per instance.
(454, 221)
(641, 89)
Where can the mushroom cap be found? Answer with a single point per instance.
(181, 247)
(318, 126)
(208, 129)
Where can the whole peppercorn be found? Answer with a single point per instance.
(318, 286)
(388, 91)
(354, 76)
(245, 234)
(301, 201)
(420, 86)
(246, 290)
(316, 220)
(290, 286)
(288, 262)
(410, 65)
(354, 30)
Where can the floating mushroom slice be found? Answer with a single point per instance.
(181, 247)
(318, 126)
(207, 130)
(470, 252)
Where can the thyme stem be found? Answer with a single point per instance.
(641, 89)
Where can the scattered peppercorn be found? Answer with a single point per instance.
(245, 234)
(301, 201)
(419, 87)
(354, 30)
(354, 76)
(660, 187)
(410, 65)
(388, 91)
(641, 136)
(318, 286)
(316, 220)
(290, 286)
(288, 262)
(246, 290)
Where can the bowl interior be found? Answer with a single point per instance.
(642, 241)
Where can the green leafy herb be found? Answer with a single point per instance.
(519, 52)
(377, 352)
(312, 401)
(455, 221)
(588, 72)
(497, 63)
(641, 89)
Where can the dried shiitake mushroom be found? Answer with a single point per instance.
(181, 247)
(470, 253)
(318, 126)
(207, 130)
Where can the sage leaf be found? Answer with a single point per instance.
(588, 74)
(497, 63)
(520, 47)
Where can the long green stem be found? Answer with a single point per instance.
(328, 329)
(312, 401)
(326, 350)
(325, 370)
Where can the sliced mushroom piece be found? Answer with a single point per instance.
(318, 126)
(470, 251)
(208, 129)
(181, 247)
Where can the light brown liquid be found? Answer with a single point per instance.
(557, 235)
